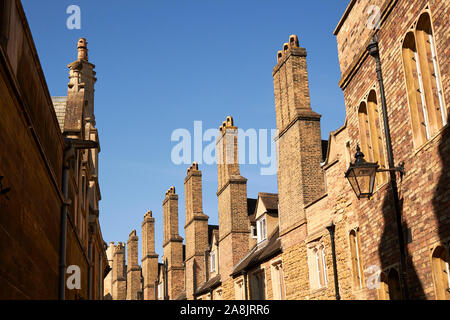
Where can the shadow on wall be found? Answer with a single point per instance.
(389, 247)
(389, 251)
(441, 198)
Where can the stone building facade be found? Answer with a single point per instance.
(48, 160)
(295, 244)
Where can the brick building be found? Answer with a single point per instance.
(48, 160)
(316, 239)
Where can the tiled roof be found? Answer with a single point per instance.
(209, 285)
(59, 104)
(260, 253)
(270, 201)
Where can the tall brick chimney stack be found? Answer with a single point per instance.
(172, 245)
(300, 178)
(133, 268)
(232, 197)
(196, 230)
(119, 282)
(149, 256)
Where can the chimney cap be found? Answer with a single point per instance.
(170, 191)
(82, 49)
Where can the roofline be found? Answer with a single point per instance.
(344, 17)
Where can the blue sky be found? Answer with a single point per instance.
(163, 64)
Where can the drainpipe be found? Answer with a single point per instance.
(244, 273)
(90, 271)
(206, 266)
(331, 228)
(374, 52)
(70, 146)
(156, 289)
(69, 152)
(166, 285)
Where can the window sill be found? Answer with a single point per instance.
(318, 290)
(432, 139)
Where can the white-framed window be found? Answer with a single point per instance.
(212, 262)
(160, 291)
(321, 267)
(254, 232)
(261, 229)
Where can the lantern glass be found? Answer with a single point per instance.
(362, 178)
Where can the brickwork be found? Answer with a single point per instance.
(119, 280)
(173, 245)
(196, 231)
(234, 229)
(312, 189)
(133, 269)
(149, 257)
(422, 193)
(33, 159)
(300, 179)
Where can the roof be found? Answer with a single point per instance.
(270, 201)
(59, 104)
(209, 285)
(260, 253)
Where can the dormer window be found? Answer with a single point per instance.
(261, 229)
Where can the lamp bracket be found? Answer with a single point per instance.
(400, 168)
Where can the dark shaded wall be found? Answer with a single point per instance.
(31, 150)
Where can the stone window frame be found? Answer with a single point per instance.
(278, 283)
(384, 292)
(372, 143)
(421, 116)
(218, 294)
(239, 288)
(358, 257)
(317, 265)
(160, 290)
(252, 275)
(439, 284)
